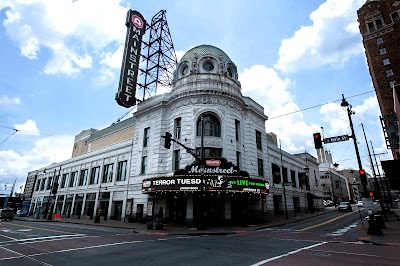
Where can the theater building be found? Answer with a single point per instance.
(125, 170)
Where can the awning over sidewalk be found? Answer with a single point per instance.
(392, 172)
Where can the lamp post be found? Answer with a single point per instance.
(202, 224)
(97, 216)
(373, 229)
(346, 106)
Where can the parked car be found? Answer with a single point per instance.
(360, 203)
(345, 206)
(6, 214)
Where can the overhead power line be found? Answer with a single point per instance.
(319, 105)
(15, 131)
(32, 132)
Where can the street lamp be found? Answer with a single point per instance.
(346, 106)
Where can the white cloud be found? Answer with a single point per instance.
(56, 25)
(333, 38)
(272, 92)
(13, 100)
(29, 127)
(45, 152)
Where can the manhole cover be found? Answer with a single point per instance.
(321, 254)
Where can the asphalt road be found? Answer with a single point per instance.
(308, 242)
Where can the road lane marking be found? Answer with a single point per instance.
(34, 239)
(288, 254)
(327, 222)
(344, 230)
(50, 230)
(20, 255)
(9, 237)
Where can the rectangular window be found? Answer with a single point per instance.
(107, 173)
(176, 159)
(42, 183)
(382, 51)
(94, 175)
(144, 165)
(177, 130)
(260, 166)
(237, 130)
(37, 184)
(238, 159)
(395, 17)
(83, 177)
(293, 178)
(386, 61)
(276, 173)
(64, 180)
(371, 27)
(146, 136)
(211, 152)
(72, 180)
(379, 24)
(379, 40)
(285, 175)
(258, 140)
(121, 174)
(49, 183)
(389, 73)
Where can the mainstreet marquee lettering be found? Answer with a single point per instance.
(212, 166)
(126, 94)
(212, 170)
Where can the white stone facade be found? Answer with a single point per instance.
(205, 83)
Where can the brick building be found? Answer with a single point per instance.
(379, 22)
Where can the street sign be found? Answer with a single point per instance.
(336, 139)
(368, 203)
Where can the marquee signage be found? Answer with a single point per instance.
(126, 94)
(211, 183)
(212, 166)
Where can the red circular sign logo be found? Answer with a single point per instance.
(213, 162)
(137, 21)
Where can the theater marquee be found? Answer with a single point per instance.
(219, 175)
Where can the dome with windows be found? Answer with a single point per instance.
(206, 59)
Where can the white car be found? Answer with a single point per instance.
(360, 203)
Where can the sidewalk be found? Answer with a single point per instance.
(391, 234)
(172, 229)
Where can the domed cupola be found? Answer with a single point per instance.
(207, 61)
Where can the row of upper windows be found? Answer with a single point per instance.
(84, 176)
(212, 128)
(302, 177)
(378, 23)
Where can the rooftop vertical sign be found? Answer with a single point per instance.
(126, 94)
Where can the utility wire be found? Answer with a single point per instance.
(32, 132)
(319, 105)
(15, 131)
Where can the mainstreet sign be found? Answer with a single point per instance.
(336, 139)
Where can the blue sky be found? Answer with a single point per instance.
(60, 62)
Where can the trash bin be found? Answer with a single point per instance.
(149, 226)
(380, 222)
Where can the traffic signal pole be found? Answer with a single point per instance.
(373, 228)
(378, 190)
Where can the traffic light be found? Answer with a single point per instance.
(317, 140)
(168, 137)
(371, 194)
(363, 177)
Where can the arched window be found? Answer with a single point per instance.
(212, 126)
